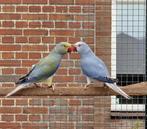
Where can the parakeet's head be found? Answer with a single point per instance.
(63, 48)
(81, 47)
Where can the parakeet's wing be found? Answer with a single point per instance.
(94, 68)
(26, 75)
(39, 72)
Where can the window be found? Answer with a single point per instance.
(128, 49)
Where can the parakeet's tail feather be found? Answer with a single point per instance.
(115, 88)
(21, 81)
(18, 88)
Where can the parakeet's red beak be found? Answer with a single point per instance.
(72, 49)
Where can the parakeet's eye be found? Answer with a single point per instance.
(79, 45)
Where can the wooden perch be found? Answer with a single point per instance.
(134, 89)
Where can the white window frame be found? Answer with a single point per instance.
(115, 106)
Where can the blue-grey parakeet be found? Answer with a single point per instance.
(94, 68)
(45, 68)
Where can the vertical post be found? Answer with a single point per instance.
(146, 72)
(145, 112)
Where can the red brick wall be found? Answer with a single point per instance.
(28, 31)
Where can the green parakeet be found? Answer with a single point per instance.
(44, 69)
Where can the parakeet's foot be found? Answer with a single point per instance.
(52, 86)
(36, 85)
(105, 86)
(88, 83)
(85, 87)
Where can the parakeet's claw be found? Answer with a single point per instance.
(88, 83)
(52, 86)
(36, 85)
(85, 87)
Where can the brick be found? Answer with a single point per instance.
(48, 24)
(6, 125)
(60, 24)
(22, 102)
(10, 2)
(62, 32)
(28, 63)
(34, 48)
(74, 25)
(88, 102)
(88, 118)
(48, 8)
(81, 33)
(75, 9)
(88, 25)
(21, 55)
(60, 39)
(34, 17)
(61, 9)
(73, 39)
(21, 71)
(35, 110)
(103, 34)
(36, 32)
(48, 40)
(48, 102)
(88, 9)
(74, 71)
(21, 8)
(35, 2)
(21, 117)
(8, 84)
(34, 55)
(61, 17)
(85, 2)
(34, 8)
(63, 79)
(34, 25)
(7, 16)
(7, 55)
(10, 32)
(86, 110)
(74, 56)
(21, 24)
(62, 2)
(34, 40)
(8, 8)
(63, 125)
(11, 110)
(57, 110)
(8, 39)
(35, 102)
(10, 47)
(62, 71)
(84, 18)
(67, 63)
(7, 71)
(89, 40)
(74, 102)
(8, 102)
(34, 118)
(8, 24)
(21, 40)
(7, 118)
(35, 125)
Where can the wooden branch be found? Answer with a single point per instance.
(93, 90)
